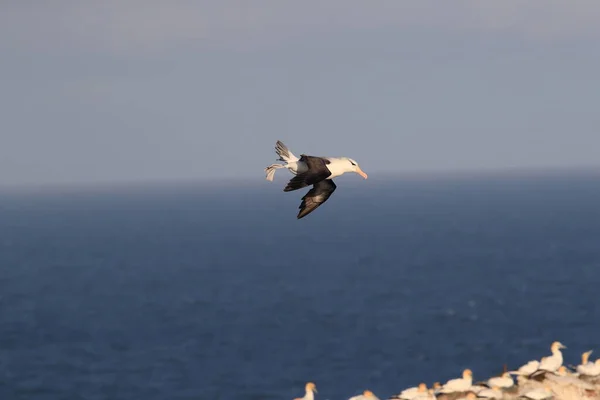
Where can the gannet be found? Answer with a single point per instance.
(494, 393)
(411, 393)
(562, 371)
(541, 374)
(459, 384)
(312, 170)
(588, 368)
(553, 362)
(597, 364)
(311, 389)
(367, 395)
(504, 381)
(527, 369)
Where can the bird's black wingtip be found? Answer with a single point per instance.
(301, 214)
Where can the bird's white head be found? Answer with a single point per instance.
(354, 167)
(311, 387)
(557, 346)
(562, 370)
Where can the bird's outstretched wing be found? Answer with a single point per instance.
(316, 196)
(317, 171)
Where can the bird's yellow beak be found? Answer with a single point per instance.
(362, 173)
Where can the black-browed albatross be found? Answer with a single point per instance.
(312, 170)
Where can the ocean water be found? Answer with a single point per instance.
(218, 292)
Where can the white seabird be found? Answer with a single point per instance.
(491, 393)
(459, 384)
(311, 170)
(504, 381)
(553, 362)
(367, 395)
(411, 393)
(310, 390)
(526, 369)
(588, 368)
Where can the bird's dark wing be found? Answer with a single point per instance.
(316, 196)
(317, 171)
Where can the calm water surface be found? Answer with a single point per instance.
(206, 292)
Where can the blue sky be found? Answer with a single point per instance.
(122, 91)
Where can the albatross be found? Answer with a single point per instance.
(312, 170)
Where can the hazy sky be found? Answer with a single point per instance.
(119, 90)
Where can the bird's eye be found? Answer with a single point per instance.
(352, 163)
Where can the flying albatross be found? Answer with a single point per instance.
(311, 170)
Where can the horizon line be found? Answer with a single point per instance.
(434, 174)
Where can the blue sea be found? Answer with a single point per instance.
(216, 291)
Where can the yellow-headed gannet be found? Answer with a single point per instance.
(411, 393)
(553, 362)
(459, 384)
(587, 367)
(310, 389)
(494, 393)
(366, 395)
(504, 381)
(526, 369)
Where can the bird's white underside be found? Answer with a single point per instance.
(335, 166)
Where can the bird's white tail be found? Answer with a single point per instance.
(270, 170)
(284, 153)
